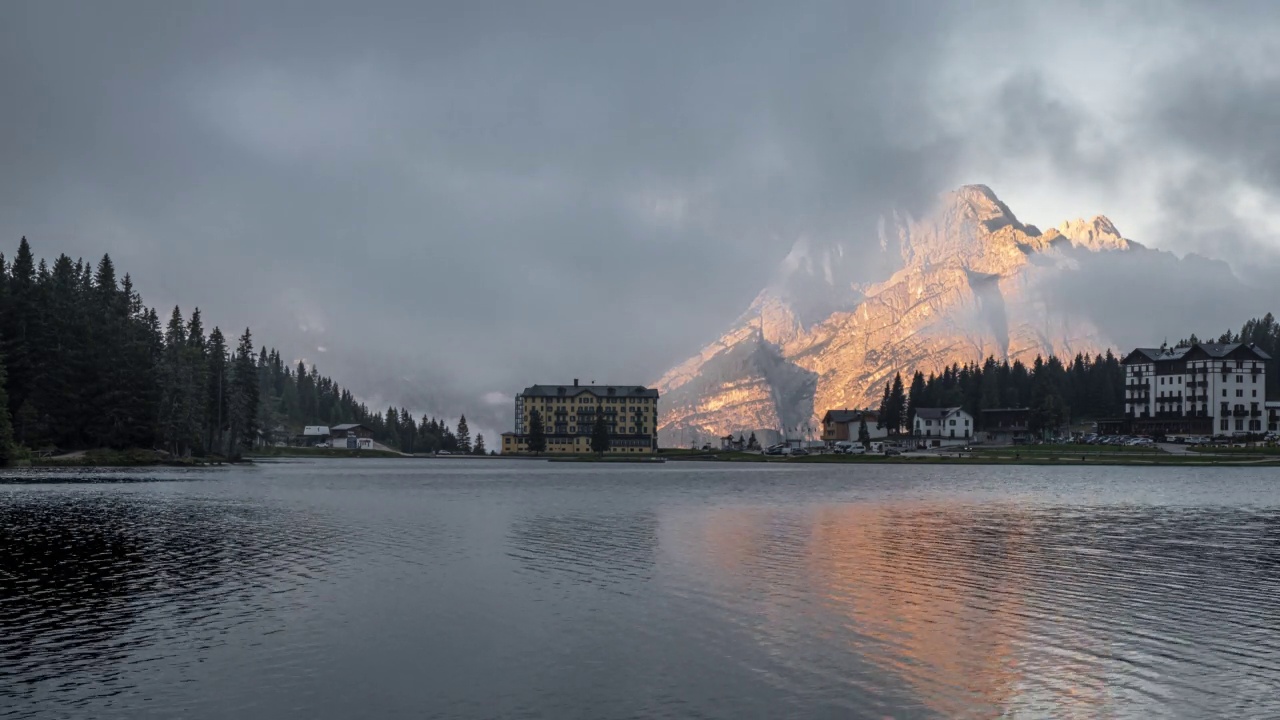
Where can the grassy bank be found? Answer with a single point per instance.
(305, 452)
(136, 457)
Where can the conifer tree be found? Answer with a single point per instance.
(217, 390)
(600, 435)
(897, 405)
(914, 399)
(536, 441)
(864, 434)
(243, 400)
(463, 433)
(479, 447)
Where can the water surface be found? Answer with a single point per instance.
(508, 589)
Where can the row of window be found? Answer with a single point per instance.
(929, 423)
(590, 401)
(1225, 424)
(1225, 378)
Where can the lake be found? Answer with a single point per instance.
(510, 589)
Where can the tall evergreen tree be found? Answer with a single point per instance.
(242, 403)
(897, 407)
(479, 447)
(217, 390)
(463, 433)
(914, 398)
(600, 435)
(536, 440)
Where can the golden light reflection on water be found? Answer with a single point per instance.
(938, 597)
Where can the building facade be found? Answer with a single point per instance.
(569, 413)
(948, 423)
(1203, 389)
(1006, 425)
(841, 425)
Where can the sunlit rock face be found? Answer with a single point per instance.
(967, 287)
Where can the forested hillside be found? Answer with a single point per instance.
(1056, 392)
(89, 365)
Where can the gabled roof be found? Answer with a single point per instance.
(349, 426)
(847, 416)
(1210, 350)
(315, 430)
(601, 391)
(935, 413)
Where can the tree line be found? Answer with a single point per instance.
(1054, 392)
(1086, 388)
(86, 364)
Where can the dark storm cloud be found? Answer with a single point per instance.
(418, 196)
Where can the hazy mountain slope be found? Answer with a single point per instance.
(971, 283)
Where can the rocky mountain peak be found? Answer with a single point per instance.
(1096, 234)
(820, 336)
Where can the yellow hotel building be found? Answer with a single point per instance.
(569, 412)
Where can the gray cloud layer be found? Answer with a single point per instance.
(429, 192)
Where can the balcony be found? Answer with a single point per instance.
(1255, 413)
(1240, 412)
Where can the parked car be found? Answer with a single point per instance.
(776, 450)
(890, 452)
(798, 451)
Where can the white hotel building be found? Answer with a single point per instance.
(1204, 389)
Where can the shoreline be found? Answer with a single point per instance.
(1235, 457)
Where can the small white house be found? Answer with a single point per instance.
(952, 422)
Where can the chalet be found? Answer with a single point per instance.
(842, 425)
(1006, 425)
(952, 422)
(351, 436)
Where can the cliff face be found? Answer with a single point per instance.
(967, 287)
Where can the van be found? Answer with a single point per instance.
(877, 447)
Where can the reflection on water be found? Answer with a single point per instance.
(460, 590)
(1031, 610)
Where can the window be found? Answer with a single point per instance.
(953, 422)
(1239, 424)
(1255, 393)
(1240, 393)
(1223, 425)
(1224, 392)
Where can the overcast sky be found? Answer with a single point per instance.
(418, 196)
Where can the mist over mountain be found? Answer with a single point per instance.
(964, 282)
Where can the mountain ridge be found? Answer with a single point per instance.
(969, 284)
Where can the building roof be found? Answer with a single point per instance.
(846, 416)
(1212, 350)
(315, 430)
(349, 426)
(935, 413)
(602, 391)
